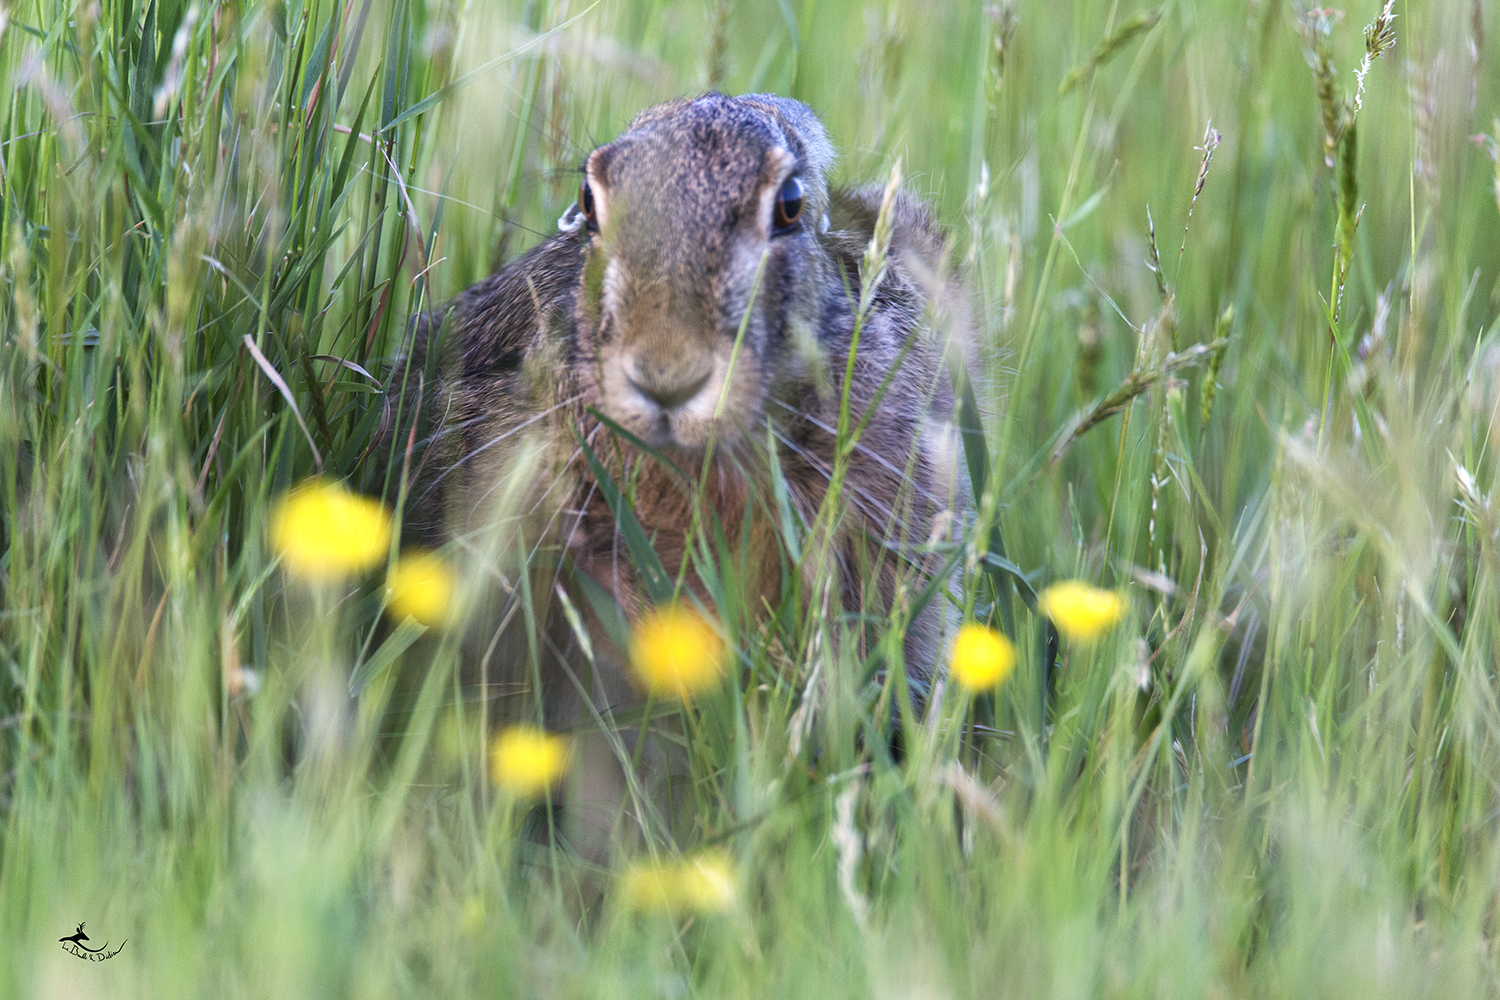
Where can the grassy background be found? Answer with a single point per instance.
(1315, 817)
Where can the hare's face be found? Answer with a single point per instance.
(702, 262)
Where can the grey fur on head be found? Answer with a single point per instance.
(805, 135)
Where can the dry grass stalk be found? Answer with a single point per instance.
(1211, 139)
(1136, 383)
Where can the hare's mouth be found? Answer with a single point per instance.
(686, 423)
(687, 411)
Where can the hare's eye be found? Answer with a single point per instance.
(788, 203)
(586, 202)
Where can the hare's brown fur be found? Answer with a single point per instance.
(601, 319)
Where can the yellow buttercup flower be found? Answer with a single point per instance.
(323, 532)
(982, 658)
(525, 761)
(676, 654)
(704, 884)
(472, 921)
(1082, 613)
(421, 586)
(646, 886)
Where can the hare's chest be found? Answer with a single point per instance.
(706, 529)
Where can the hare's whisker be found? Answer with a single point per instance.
(435, 436)
(872, 508)
(817, 465)
(558, 478)
(502, 436)
(860, 447)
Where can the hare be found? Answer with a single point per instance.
(702, 297)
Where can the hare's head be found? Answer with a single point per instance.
(702, 225)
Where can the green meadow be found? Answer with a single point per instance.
(1236, 273)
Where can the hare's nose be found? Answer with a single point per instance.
(668, 385)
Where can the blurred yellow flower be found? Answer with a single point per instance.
(676, 654)
(1081, 613)
(525, 761)
(703, 884)
(323, 532)
(421, 586)
(472, 921)
(982, 658)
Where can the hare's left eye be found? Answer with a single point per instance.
(788, 207)
(586, 204)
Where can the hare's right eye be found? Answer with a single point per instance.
(586, 203)
(788, 204)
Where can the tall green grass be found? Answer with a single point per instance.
(1277, 778)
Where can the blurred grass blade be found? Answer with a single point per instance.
(398, 642)
(443, 93)
(605, 608)
(658, 584)
(976, 453)
(286, 393)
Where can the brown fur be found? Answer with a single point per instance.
(655, 297)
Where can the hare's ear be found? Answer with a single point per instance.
(805, 134)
